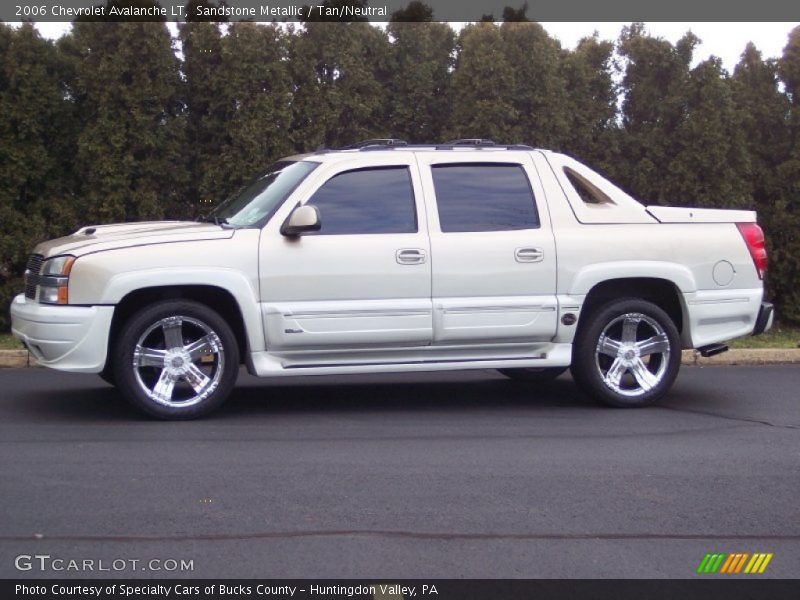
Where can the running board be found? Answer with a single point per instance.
(712, 350)
(265, 364)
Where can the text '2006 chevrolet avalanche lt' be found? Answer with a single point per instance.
(388, 257)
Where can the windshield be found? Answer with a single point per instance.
(253, 203)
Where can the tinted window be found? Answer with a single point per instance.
(254, 202)
(588, 193)
(367, 201)
(484, 197)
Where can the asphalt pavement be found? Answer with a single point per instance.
(456, 474)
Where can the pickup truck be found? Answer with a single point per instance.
(388, 257)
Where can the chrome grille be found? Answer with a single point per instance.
(32, 272)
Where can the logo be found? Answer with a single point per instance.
(733, 564)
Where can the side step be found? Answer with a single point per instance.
(712, 350)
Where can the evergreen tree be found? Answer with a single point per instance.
(537, 91)
(710, 160)
(37, 144)
(483, 81)
(340, 74)
(683, 142)
(592, 135)
(763, 114)
(784, 274)
(789, 66)
(206, 115)
(126, 84)
(418, 90)
(248, 119)
(654, 87)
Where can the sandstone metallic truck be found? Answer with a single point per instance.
(389, 257)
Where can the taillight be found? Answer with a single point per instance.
(754, 238)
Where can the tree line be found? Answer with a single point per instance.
(118, 121)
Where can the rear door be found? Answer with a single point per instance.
(494, 259)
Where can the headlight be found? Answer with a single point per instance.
(59, 266)
(54, 280)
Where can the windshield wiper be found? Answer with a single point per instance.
(215, 220)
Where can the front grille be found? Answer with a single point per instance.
(32, 272)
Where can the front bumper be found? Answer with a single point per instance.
(67, 338)
(766, 314)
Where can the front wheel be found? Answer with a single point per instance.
(628, 353)
(176, 359)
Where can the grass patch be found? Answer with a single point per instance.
(9, 342)
(778, 337)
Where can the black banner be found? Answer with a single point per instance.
(405, 589)
(384, 10)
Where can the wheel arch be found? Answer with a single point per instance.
(664, 293)
(215, 297)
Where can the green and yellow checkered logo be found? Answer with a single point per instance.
(732, 564)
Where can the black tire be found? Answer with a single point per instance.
(534, 374)
(174, 378)
(598, 357)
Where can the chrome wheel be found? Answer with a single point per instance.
(632, 354)
(178, 361)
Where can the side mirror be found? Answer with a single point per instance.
(302, 220)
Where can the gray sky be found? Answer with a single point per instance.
(725, 40)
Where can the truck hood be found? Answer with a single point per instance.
(97, 238)
(674, 214)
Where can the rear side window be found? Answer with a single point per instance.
(587, 192)
(377, 200)
(484, 197)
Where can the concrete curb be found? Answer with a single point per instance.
(15, 358)
(744, 356)
(752, 356)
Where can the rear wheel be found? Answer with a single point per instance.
(628, 354)
(176, 359)
(534, 374)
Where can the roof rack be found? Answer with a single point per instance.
(394, 143)
(470, 142)
(381, 143)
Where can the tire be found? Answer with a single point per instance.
(534, 374)
(627, 354)
(176, 359)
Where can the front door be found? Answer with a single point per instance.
(364, 279)
(494, 259)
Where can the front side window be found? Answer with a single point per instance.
(484, 197)
(373, 200)
(255, 202)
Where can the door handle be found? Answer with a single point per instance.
(411, 256)
(528, 254)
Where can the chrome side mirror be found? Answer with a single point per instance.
(302, 220)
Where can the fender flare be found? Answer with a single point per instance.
(591, 275)
(230, 280)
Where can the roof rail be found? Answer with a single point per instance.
(382, 142)
(470, 142)
(394, 143)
